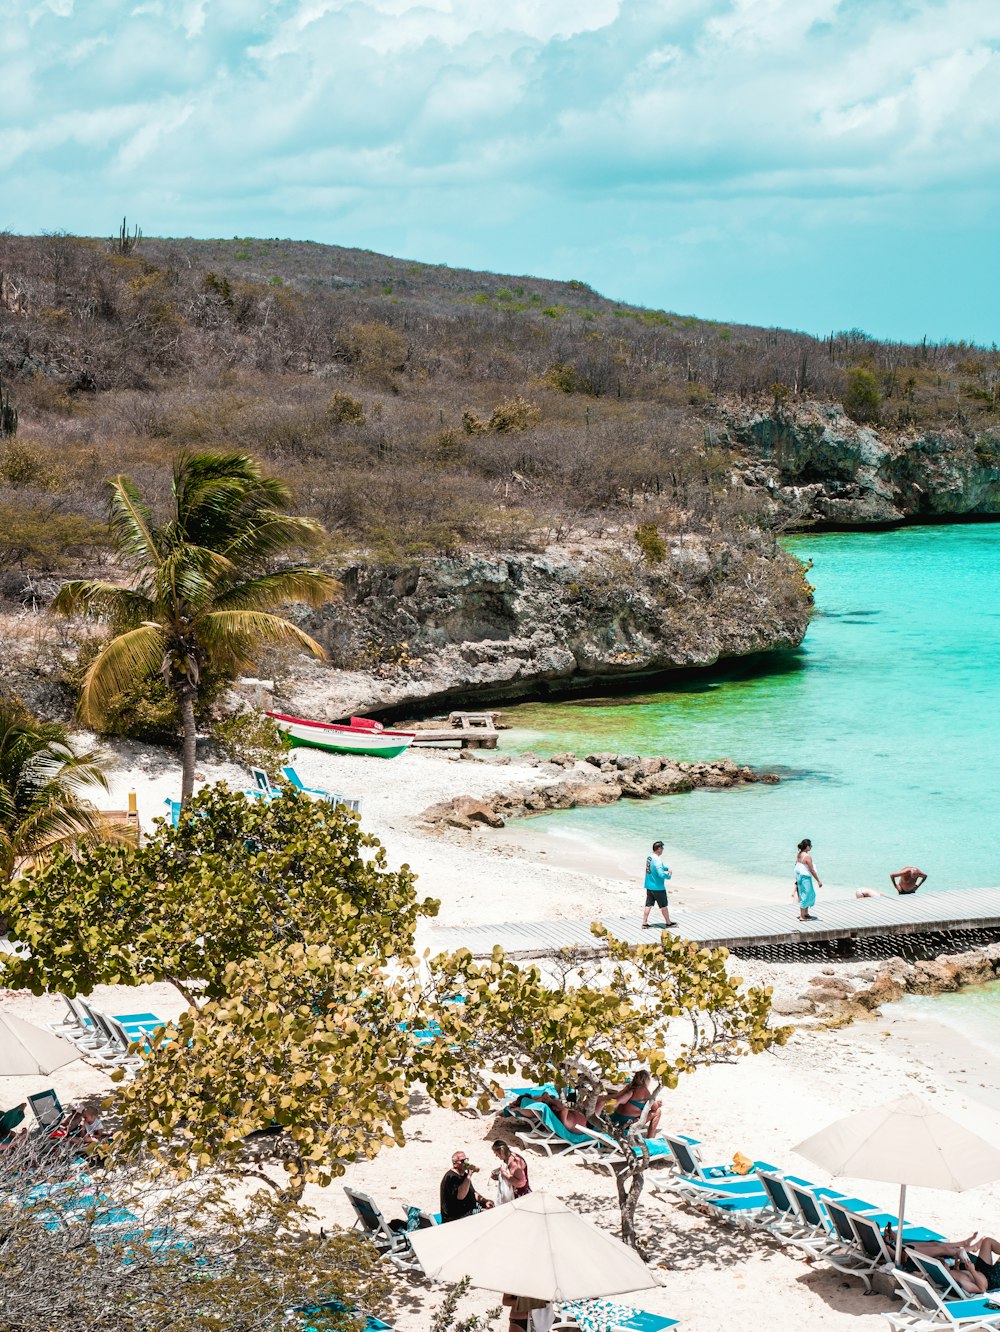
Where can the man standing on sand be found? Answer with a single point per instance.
(657, 875)
(907, 880)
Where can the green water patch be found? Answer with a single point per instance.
(885, 725)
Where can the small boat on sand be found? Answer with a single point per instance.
(363, 736)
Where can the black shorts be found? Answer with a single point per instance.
(656, 897)
(991, 1271)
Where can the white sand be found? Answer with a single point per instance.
(714, 1278)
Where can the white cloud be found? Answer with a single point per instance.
(410, 121)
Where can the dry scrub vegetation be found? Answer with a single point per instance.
(414, 408)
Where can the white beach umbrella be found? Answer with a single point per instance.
(29, 1051)
(534, 1246)
(904, 1142)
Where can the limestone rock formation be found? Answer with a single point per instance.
(819, 468)
(519, 625)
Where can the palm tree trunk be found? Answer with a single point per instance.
(186, 700)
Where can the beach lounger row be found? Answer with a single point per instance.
(108, 1039)
(827, 1226)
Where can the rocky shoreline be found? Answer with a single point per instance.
(838, 995)
(598, 779)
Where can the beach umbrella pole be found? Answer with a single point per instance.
(899, 1226)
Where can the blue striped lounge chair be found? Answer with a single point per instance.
(603, 1316)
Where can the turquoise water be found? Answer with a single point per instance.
(885, 726)
(973, 1011)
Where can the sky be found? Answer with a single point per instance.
(812, 164)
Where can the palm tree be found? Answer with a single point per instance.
(201, 590)
(41, 777)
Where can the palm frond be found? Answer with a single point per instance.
(188, 578)
(120, 664)
(95, 600)
(312, 587)
(271, 534)
(218, 493)
(232, 638)
(131, 522)
(62, 765)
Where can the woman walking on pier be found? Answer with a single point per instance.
(806, 879)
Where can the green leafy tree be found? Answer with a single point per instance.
(293, 945)
(669, 1006)
(233, 880)
(42, 780)
(202, 588)
(862, 398)
(192, 1259)
(253, 739)
(321, 1053)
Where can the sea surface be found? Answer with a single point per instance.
(884, 726)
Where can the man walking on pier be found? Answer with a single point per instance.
(657, 875)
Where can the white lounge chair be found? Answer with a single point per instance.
(926, 1311)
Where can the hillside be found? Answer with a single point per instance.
(425, 413)
(415, 407)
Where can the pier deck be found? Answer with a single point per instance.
(747, 927)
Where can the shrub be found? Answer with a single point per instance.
(252, 739)
(147, 711)
(862, 400)
(31, 539)
(652, 545)
(568, 379)
(342, 409)
(510, 415)
(378, 351)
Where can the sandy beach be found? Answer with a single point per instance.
(710, 1273)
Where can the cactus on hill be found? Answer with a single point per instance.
(8, 414)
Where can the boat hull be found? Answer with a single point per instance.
(345, 739)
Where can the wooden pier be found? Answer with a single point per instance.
(849, 919)
(468, 730)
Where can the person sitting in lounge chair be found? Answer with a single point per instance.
(975, 1261)
(84, 1123)
(627, 1105)
(568, 1115)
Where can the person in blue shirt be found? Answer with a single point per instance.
(657, 875)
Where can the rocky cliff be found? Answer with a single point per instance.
(510, 626)
(817, 467)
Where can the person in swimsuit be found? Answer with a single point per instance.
(977, 1271)
(907, 880)
(627, 1105)
(513, 1168)
(806, 879)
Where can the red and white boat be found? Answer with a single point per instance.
(363, 736)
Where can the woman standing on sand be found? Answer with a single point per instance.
(806, 879)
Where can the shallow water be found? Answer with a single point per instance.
(885, 726)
